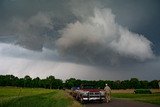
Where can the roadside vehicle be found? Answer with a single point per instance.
(88, 93)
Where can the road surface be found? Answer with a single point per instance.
(120, 103)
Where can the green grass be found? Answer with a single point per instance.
(148, 98)
(28, 97)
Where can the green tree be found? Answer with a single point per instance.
(100, 84)
(58, 84)
(144, 84)
(27, 81)
(135, 83)
(70, 83)
(125, 84)
(154, 84)
(50, 81)
(36, 82)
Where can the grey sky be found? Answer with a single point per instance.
(94, 39)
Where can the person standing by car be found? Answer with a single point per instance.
(108, 93)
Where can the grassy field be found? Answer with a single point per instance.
(128, 94)
(28, 97)
(36, 97)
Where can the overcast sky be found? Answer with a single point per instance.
(93, 39)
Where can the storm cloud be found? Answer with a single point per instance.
(101, 35)
(109, 35)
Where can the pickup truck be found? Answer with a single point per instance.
(88, 93)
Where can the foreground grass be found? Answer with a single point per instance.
(148, 98)
(27, 97)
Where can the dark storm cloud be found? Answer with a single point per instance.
(34, 23)
(93, 39)
(139, 16)
(100, 38)
(89, 30)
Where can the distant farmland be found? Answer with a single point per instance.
(153, 98)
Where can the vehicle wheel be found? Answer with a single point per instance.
(81, 100)
(101, 101)
(77, 98)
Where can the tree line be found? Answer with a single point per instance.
(51, 82)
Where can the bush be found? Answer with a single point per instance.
(142, 91)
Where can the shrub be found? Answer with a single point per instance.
(142, 91)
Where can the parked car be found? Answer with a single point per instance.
(88, 93)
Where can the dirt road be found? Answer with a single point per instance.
(121, 103)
